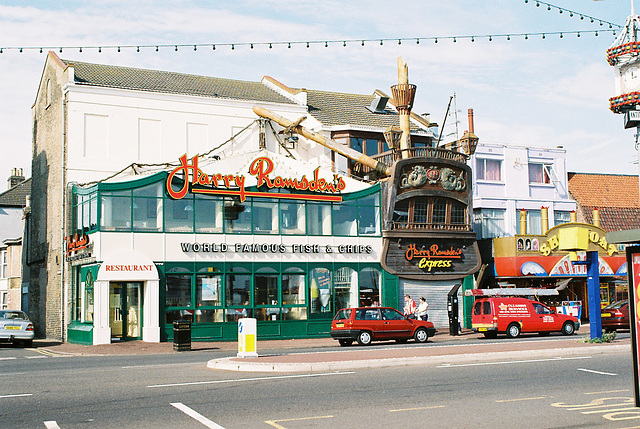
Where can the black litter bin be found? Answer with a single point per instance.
(182, 335)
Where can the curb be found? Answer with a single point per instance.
(240, 364)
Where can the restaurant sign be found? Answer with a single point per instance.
(434, 258)
(596, 238)
(198, 182)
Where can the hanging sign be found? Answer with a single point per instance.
(198, 182)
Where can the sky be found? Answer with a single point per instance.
(533, 91)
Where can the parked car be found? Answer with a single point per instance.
(15, 327)
(615, 316)
(511, 316)
(367, 324)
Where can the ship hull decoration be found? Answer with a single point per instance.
(427, 233)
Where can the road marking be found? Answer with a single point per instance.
(453, 365)
(595, 372)
(194, 415)
(418, 408)
(237, 380)
(51, 424)
(35, 357)
(8, 358)
(160, 365)
(276, 425)
(521, 399)
(16, 395)
(45, 352)
(606, 391)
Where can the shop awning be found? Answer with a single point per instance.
(512, 291)
(562, 284)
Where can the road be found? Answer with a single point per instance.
(38, 389)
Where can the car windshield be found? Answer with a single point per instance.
(615, 305)
(15, 315)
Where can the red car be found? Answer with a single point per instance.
(367, 324)
(615, 316)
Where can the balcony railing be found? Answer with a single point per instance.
(430, 152)
(399, 226)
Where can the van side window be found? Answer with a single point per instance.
(486, 307)
(541, 309)
(476, 308)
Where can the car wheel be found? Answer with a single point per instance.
(568, 328)
(491, 334)
(513, 330)
(345, 343)
(364, 338)
(421, 335)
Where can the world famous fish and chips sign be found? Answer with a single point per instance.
(189, 178)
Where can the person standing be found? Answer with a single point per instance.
(421, 311)
(409, 306)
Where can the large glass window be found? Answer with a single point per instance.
(292, 218)
(489, 223)
(208, 287)
(265, 216)
(369, 215)
(178, 288)
(489, 169)
(209, 214)
(320, 286)
(116, 211)
(345, 287)
(344, 219)
(319, 218)
(178, 215)
(369, 282)
(147, 208)
(237, 216)
(238, 287)
(266, 299)
(534, 223)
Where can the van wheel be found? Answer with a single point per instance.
(513, 330)
(568, 328)
(364, 338)
(421, 335)
(345, 343)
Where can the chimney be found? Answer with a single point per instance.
(15, 178)
(544, 219)
(596, 217)
(470, 114)
(523, 222)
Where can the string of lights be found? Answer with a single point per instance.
(571, 13)
(308, 44)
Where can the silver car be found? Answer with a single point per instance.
(16, 327)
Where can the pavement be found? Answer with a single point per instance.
(468, 348)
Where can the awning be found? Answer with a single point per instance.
(512, 291)
(562, 284)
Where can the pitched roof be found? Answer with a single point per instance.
(615, 196)
(16, 196)
(338, 108)
(170, 82)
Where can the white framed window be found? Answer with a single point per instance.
(560, 217)
(534, 223)
(489, 169)
(489, 223)
(539, 173)
(4, 300)
(3, 264)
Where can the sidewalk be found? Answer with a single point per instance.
(442, 349)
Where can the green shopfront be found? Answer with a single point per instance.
(148, 251)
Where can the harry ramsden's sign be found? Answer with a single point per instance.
(433, 257)
(273, 248)
(196, 181)
(79, 250)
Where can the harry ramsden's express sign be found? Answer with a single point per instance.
(433, 257)
(234, 185)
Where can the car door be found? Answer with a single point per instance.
(544, 319)
(396, 326)
(369, 319)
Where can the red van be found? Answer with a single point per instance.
(511, 316)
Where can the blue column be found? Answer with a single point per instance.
(593, 292)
